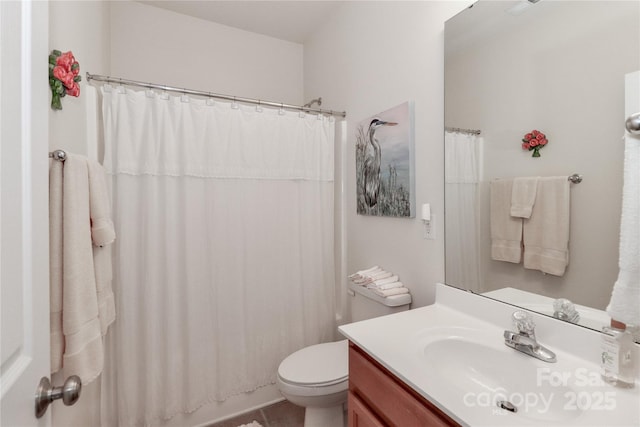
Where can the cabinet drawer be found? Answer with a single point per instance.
(395, 403)
(360, 415)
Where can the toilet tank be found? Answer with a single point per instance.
(365, 304)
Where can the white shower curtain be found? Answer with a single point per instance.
(462, 176)
(224, 258)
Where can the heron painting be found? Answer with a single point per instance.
(384, 163)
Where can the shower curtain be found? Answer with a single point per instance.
(462, 175)
(224, 260)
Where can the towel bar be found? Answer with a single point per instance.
(59, 155)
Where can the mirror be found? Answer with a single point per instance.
(558, 67)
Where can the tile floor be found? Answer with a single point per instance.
(281, 414)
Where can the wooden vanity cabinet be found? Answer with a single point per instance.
(377, 398)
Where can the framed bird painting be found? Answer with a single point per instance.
(385, 175)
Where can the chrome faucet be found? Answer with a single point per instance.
(564, 309)
(525, 339)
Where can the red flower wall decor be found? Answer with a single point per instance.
(64, 77)
(534, 141)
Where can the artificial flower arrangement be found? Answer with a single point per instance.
(63, 77)
(534, 141)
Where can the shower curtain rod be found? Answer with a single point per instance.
(461, 130)
(108, 79)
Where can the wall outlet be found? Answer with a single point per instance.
(430, 228)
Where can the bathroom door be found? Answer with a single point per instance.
(24, 222)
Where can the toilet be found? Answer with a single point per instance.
(317, 377)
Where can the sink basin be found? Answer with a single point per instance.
(486, 372)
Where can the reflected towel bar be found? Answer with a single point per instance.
(575, 178)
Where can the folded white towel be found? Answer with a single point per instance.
(380, 275)
(625, 298)
(546, 233)
(523, 196)
(384, 281)
(361, 280)
(361, 272)
(367, 278)
(390, 292)
(390, 286)
(506, 231)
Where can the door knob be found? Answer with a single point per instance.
(633, 124)
(45, 394)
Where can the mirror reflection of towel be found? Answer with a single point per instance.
(546, 233)
(506, 231)
(523, 196)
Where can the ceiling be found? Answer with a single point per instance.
(294, 21)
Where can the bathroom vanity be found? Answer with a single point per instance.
(378, 398)
(447, 364)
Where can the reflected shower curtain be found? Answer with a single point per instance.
(462, 176)
(224, 258)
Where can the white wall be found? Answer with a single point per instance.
(369, 57)
(82, 27)
(159, 46)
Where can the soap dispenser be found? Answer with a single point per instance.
(617, 357)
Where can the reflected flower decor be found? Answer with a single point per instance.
(63, 77)
(534, 141)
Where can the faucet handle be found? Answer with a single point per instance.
(524, 323)
(564, 309)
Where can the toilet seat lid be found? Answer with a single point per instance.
(320, 364)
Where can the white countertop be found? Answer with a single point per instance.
(398, 342)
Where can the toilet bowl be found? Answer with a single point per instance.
(317, 378)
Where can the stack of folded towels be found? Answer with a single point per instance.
(383, 283)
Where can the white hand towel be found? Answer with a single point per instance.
(523, 196)
(625, 298)
(380, 275)
(390, 292)
(384, 281)
(361, 272)
(546, 233)
(368, 278)
(506, 231)
(390, 286)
